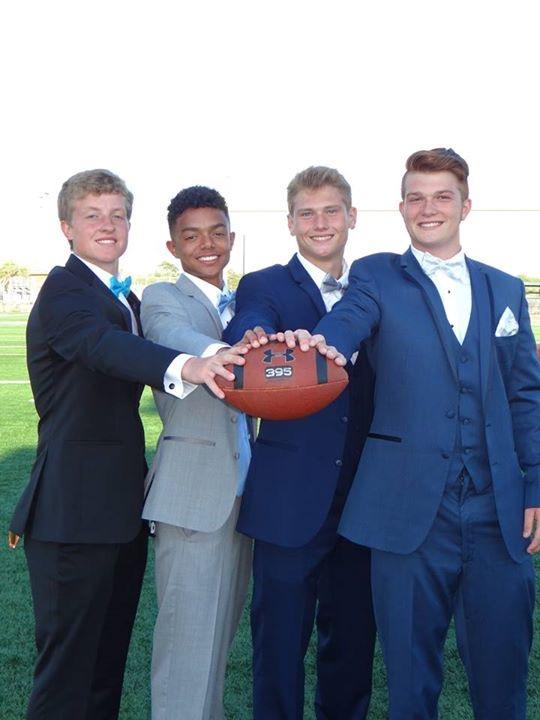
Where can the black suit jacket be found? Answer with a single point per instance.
(86, 368)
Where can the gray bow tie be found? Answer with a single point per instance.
(330, 284)
(454, 269)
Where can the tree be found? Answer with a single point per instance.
(10, 270)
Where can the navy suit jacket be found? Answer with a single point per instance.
(86, 368)
(296, 464)
(405, 462)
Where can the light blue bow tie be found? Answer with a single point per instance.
(454, 269)
(120, 286)
(330, 284)
(226, 299)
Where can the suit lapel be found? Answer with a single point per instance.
(82, 271)
(301, 276)
(414, 273)
(191, 290)
(481, 295)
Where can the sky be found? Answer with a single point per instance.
(242, 95)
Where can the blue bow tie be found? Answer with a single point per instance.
(226, 299)
(330, 284)
(120, 286)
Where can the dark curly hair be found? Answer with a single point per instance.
(197, 196)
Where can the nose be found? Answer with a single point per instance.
(107, 224)
(207, 239)
(321, 222)
(429, 207)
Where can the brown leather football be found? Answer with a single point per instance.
(279, 383)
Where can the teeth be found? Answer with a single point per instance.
(208, 258)
(430, 224)
(321, 237)
(106, 242)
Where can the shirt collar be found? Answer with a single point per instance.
(420, 255)
(103, 275)
(212, 292)
(318, 275)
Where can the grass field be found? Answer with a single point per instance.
(17, 442)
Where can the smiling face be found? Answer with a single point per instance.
(98, 229)
(320, 221)
(433, 209)
(202, 241)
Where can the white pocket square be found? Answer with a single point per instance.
(507, 324)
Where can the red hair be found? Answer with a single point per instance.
(439, 160)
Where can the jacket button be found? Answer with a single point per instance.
(466, 450)
(171, 386)
(450, 414)
(339, 462)
(445, 455)
(344, 419)
(234, 419)
(236, 456)
(466, 421)
(464, 358)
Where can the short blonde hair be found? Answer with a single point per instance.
(315, 177)
(91, 182)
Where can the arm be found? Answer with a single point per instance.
(353, 319)
(256, 307)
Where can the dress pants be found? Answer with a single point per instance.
(85, 600)
(201, 581)
(288, 582)
(462, 566)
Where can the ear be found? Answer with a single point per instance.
(352, 218)
(466, 209)
(290, 223)
(401, 209)
(171, 247)
(232, 237)
(67, 230)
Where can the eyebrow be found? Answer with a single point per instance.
(437, 192)
(326, 207)
(198, 228)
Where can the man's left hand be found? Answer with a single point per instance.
(531, 529)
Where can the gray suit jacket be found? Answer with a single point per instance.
(193, 479)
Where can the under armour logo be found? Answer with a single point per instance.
(287, 354)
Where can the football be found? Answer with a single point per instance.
(280, 383)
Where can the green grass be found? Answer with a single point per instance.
(17, 444)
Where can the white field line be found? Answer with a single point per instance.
(14, 382)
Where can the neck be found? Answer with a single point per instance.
(332, 266)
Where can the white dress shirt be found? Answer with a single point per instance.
(173, 384)
(453, 285)
(318, 275)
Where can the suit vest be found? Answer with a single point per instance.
(470, 450)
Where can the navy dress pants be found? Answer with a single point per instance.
(463, 567)
(288, 584)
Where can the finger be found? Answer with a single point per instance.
(214, 387)
(280, 336)
(231, 359)
(222, 371)
(289, 338)
(534, 546)
(250, 338)
(316, 340)
(13, 539)
(261, 334)
(528, 523)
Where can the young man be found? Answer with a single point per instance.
(298, 481)
(196, 480)
(447, 492)
(81, 511)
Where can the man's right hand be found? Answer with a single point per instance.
(201, 371)
(305, 340)
(256, 337)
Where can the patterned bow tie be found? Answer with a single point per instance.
(454, 269)
(226, 299)
(330, 284)
(120, 286)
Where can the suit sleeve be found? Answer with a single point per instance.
(353, 319)
(255, 306)
(77, 333)
(165, 320)
(524, 398)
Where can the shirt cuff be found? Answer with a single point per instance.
(213, 348)
(172, 380)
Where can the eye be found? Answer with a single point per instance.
(219, 234)
(445, 197)
(332, 211)
(305, 213)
